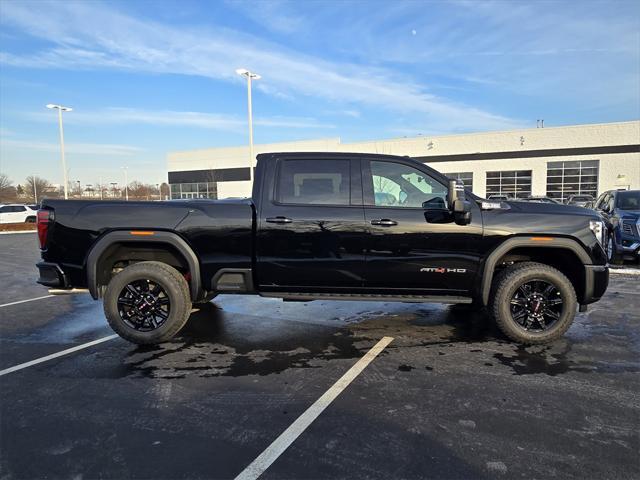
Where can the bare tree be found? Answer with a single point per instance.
(139, 190)
(7, 190)
(165, 191)
(37, 187)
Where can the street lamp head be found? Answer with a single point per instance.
(59, 107)
(246, 73)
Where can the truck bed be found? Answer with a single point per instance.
(220, 231)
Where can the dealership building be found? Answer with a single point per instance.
(553, 161)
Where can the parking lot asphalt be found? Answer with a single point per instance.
(450, 397)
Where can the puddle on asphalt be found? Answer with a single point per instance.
(222, 342)
(216, 342)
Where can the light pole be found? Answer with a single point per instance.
(35, 190)
(126, 184)
(61, 109)
(250, 76)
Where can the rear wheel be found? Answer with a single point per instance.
(30, 220)
(147, 302)
(533, 303)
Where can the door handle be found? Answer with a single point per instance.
(278, 220)
(384, 222)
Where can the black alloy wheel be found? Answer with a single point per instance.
(536, 305)
(533, 303)
(147, 302)
(144, 305)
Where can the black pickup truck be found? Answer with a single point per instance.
(331, 226)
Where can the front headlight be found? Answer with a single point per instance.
(597, 227)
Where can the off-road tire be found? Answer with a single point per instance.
(504, 287)
(174, 285)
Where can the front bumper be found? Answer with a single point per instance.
(629, 247)
(51, 275)
(596, 281)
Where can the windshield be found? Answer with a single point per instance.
(581, 198)
(628, 200)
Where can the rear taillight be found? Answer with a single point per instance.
(44, 217)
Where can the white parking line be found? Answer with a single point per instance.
(286, 438)
(24, 301)
(55, 355)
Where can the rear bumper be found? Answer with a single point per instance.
(51, 275)
(596, 282)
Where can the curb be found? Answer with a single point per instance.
(19, 231)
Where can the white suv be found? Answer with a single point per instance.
(16, 213)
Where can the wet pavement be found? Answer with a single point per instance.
(450, 397)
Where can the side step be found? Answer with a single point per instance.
(359, 297)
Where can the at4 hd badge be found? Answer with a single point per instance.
(443, 270)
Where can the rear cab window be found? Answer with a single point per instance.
(314, 182)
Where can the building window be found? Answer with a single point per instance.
(194, 190)
(572, 177)
(466, 177)
(513, 183)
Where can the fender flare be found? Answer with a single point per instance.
(158, 237)
(510, 244)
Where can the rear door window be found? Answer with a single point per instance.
(314, 182)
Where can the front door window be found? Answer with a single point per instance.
(399, 185)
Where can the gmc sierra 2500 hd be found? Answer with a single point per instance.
(331, 226)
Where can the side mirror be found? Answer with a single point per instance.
(458, 205)
(462, 212)
(456, 192)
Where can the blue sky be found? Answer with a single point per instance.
(145, 78)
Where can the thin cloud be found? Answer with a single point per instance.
(78, 148)
(88, 35)
(210, 121)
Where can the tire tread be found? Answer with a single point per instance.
(505, 279)
(182, 314)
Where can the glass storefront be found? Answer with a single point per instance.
(572, 177)
(514, 183)
(194, 190)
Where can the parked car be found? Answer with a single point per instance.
(17, 213)
(501, 198)
(585, 201)
(317, 228)
(539, 199)
(621, 210)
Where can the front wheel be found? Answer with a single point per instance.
(147, 302)
(533, 303)
(612, 255)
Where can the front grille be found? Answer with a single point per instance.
(630, 228)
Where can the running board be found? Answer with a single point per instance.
(359, 297)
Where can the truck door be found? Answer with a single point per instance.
(311, 227)
(413, 243)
